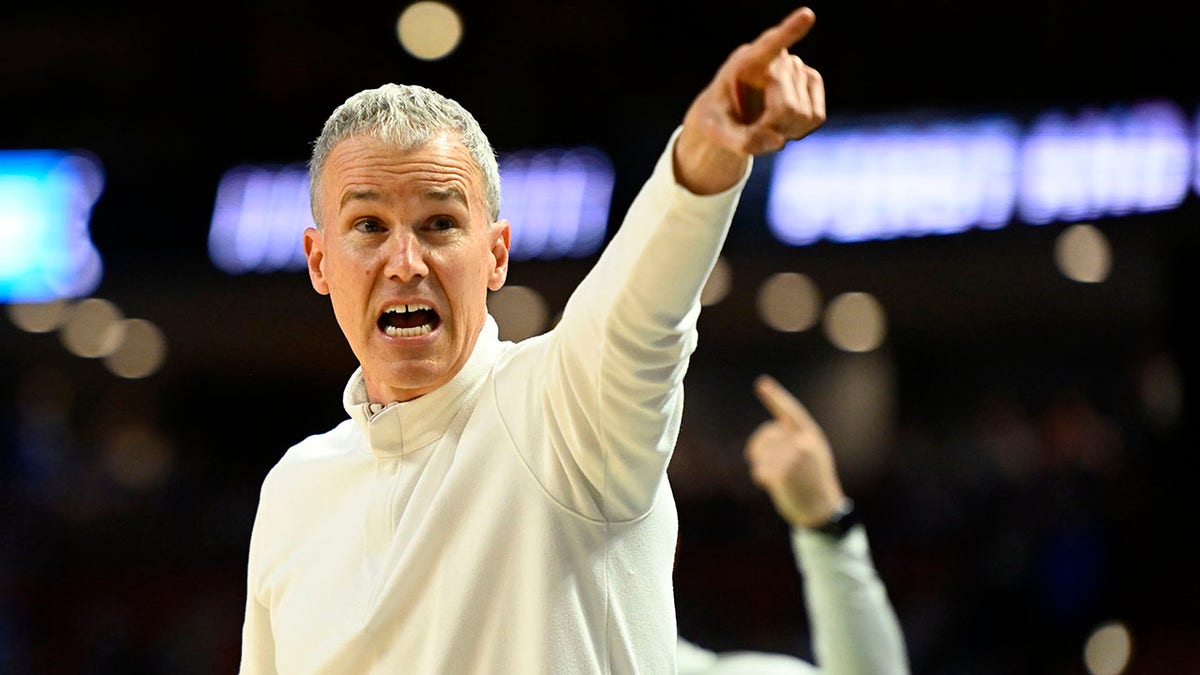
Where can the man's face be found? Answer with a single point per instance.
(406, 252)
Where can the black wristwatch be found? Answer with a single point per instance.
(840, 521)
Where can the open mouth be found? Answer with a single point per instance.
(408, 320)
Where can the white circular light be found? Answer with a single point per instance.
(1083, 254)
(429, 30)
(789, 302)
(39, 317)
(1108, 649)
(87, 332)
(855, 322)
(141, 349)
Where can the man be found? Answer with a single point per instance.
(492, 507)
(855, 629)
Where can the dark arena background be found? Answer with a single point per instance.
(976, 275)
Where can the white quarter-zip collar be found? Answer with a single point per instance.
(401, 427)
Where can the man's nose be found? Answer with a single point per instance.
(405, 256)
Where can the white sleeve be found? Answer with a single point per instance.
(855, 629)
(692, 659)
(258, 645)
(258, 640)
(613, 376)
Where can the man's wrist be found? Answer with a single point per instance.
(844, 517)
(704, 168)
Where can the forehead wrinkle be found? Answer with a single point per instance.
(437, 194)
(447, 176)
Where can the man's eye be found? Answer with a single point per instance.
(368, 225)
(441, 223)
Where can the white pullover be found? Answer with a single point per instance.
(518, 519)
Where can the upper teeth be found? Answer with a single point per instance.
(409, 308)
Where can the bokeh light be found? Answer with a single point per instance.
(854, 399)
(429, 30)
(141, 348)
(1108, 649)
(86, 332)
(789, 302)
(138, 457)
(39, 317)
(1083, 254)
(855, 322)
(46, 200)
(1160, 390)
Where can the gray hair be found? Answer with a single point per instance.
(408, 116)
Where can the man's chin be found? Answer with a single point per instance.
(404, 380)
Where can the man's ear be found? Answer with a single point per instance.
(314, 250)
(501, 234)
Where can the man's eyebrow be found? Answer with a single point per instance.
(442, 195)
(447, 194)
(360, 195)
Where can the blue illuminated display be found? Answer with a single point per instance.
(1104, 163)
(46, 200)
(890, 178)
(898, 180)
(556, 200)
(259, 219)
(1196, 154)
(902, 179)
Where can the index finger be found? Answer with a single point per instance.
(780, 402)
(781, 36)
